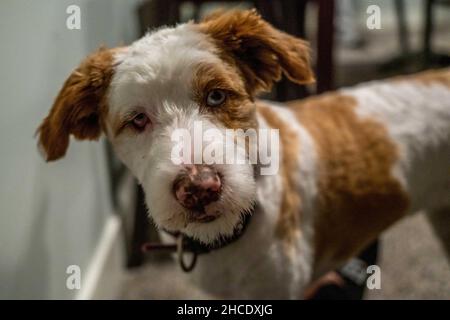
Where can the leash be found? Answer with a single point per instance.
(184, 244)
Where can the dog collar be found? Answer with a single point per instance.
(185, 244)
(200, 248)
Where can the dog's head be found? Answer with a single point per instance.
(166, 85)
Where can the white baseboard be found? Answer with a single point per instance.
(106, 270)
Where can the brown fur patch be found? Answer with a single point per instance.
(79, 106)
(261, 52)
(289, 217)
(358, 196)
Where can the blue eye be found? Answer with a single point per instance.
(215, 97)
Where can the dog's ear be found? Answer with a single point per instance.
(261, 52)
(78, 105)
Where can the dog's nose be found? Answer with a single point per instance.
(197, 186)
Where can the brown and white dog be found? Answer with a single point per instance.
(352, 162)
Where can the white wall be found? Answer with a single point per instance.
(51, 215)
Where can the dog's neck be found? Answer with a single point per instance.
(198, 247)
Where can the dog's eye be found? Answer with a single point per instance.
(140, 121)
(215, 97)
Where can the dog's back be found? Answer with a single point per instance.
(383, 151)
(415, 111)
(403, 122)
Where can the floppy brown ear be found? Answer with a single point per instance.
(78, 105)
(261, 52)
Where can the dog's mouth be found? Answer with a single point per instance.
(202, 216)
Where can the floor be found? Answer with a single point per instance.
(412, 263)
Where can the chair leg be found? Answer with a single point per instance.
(140, 229)
(325, 65)
(428, 30)
(403, 33)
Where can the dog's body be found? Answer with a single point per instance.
(351, 162)
(409, 117)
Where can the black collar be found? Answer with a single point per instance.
(187, 244)
(194, 245)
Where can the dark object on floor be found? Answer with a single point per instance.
(354, 277)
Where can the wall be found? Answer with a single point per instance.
(51, 215)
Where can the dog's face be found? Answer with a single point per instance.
(171, 81)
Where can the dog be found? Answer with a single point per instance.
(352, 162)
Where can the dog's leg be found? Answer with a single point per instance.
(440, 221)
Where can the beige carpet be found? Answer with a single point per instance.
(413, 263)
